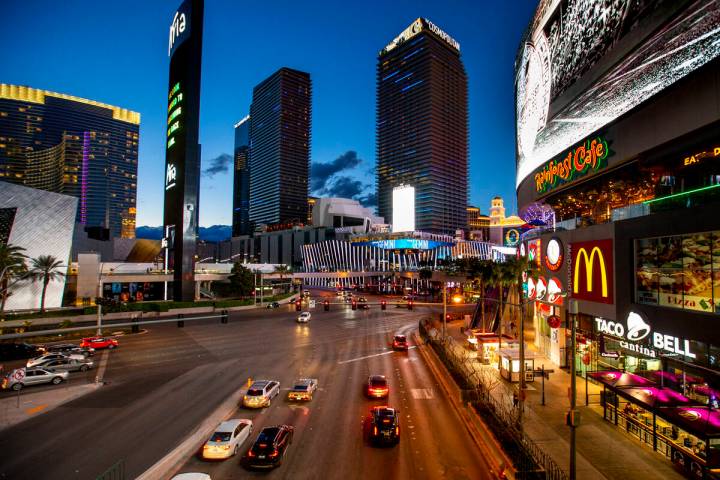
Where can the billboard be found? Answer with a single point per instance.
(583, 64)
(591, 271)
(403, 208)
(182, 157)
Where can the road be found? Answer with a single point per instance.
(164, 383)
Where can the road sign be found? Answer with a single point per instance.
(18, 374)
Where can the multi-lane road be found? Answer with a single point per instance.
(163, 384)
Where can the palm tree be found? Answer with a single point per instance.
(46, 269)
(12, 266)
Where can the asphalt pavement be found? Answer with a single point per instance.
(161, 385)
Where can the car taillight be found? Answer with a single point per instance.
(397, 431)
(226, 447)
(250, 453)
(374, 430)
(274, 453)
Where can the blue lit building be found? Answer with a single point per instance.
(422, 127)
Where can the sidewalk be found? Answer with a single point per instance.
(16, 407)
(603, 450)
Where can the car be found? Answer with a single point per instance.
(400, 342)
(227, 439)
(69, 365)
(401, 303)
(49, 357)
(377, 387)
(99, 342)
(340, 293)
(303, 389)
(261, 393)
(292, 300)
(384, 426)
(273, 305)
(32, 376)
(18, 351)
(306, 293)
(364, 305)
(270, 447)
(68, 348)
(362, 299)
(304, 317)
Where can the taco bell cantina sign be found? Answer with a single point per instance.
(636, 329)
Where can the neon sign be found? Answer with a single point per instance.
(575, 163)
(554, 255)
(596, 284)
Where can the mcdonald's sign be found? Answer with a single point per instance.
(591, 272)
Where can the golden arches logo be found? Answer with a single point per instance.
(589, 263)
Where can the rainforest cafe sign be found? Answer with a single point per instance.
(575, 163)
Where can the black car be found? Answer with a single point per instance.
(384, 426)
(270, 447)
(273, 305)
(18, 351)
(68, 348)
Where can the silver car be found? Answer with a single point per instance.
(260, 393)
(34, 376)
(49, 357)
(69, 365)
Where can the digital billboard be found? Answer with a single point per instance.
(182, 157)
(583, 64)
(403, 208)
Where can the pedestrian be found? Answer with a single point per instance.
(515, 399)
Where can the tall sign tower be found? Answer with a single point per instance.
(182, 158)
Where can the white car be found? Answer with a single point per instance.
(260, 393)
(303, 389)
(304, 317)
(50, 357)
(227, 439)
(191, 476)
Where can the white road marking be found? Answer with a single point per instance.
(367, 356)
(422, 393)
(102, 367)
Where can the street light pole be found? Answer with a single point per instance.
(572, 310)
(98, 303)
(522, 363)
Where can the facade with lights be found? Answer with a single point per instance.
(622, 140)
(422, 129)
(74, 146)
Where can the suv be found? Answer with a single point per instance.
(303, 389)
(18, 379)
(270, 447)
(384, 426)
(226, 440)
(377, 387)
(400, 342)
(260, 393)
(18, 351)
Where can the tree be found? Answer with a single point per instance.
(242, 280)
(45, 269)
(12, 270)
(484, 272)
(282, 270)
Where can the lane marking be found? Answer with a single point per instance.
(102, 367)
(422, 393)
(389, 352)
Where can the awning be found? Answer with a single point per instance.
(699, 421)
(616, 378)
(651, 398)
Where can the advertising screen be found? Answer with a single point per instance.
(403, 208)
(583, 64)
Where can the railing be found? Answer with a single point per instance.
(116, 472)
(501, 417)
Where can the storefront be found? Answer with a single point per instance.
(675, 425)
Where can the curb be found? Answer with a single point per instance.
(501, 465)
(171, 463)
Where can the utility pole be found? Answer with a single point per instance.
(573, 417)
(444, 309)
(522, 361)
(98, 302)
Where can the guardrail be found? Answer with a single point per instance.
(475, 382)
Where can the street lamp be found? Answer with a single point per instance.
(573, 418)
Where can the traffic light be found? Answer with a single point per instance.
(298, 305)
(409, 304)
(326, 304)
(383, 305)
(354, 305)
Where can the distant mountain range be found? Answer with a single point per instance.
(215, 233)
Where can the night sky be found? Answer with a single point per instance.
(116, 52)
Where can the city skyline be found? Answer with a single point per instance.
(344, 117)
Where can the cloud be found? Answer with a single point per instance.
(369, 200)
(321, 173)
(343, 187)
(219, 164)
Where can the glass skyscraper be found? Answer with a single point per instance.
(241, 179)
(422, 127)
(78, 147)
(280, 149)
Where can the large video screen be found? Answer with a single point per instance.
(584, 63)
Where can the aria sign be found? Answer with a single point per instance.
(637, 330)
(575, 163)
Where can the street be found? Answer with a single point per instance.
(163, 384)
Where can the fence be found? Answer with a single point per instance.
(476, 383)
(116, 472)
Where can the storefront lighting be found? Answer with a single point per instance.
(674, 195)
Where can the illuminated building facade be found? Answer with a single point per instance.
(478, 226)
(73, 146)
(422, 127)
(626, 152)
(241, 179)
(280, 117)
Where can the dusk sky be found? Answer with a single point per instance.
(116, 52)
